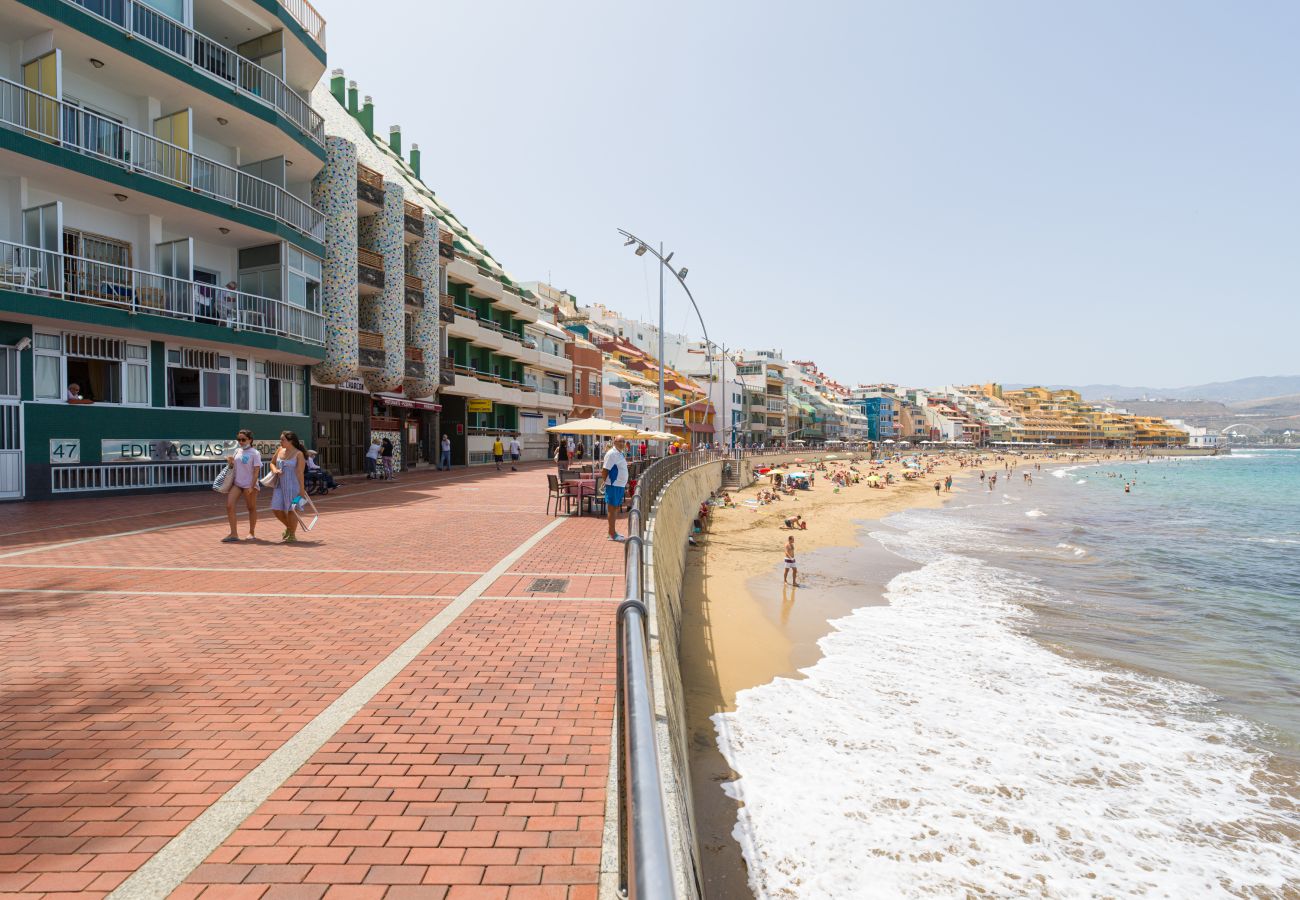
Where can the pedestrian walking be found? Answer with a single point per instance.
(615, 466)
(561, 456)
(247, 465)
(386, 453)
(498, 451)
(516, 451)
(288, 465)
(444, 459)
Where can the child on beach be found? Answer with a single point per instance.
(791, 567)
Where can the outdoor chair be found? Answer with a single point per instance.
(556, 491)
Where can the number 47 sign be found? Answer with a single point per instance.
(65, 451)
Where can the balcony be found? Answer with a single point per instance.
(230, 70)
(412, 221)
(414, 294)
(447, 371)
(446, 308)
(446, 250)
(306, 15)
(43, 117)
(370, 271)
(414, 362)
(61, 276)
(370, 191)
(370, 347)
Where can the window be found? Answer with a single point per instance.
(304, 280)
(105, 369)
(279, 388)
(595, 385)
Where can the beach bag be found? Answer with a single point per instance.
(224, 481)
(269, 479)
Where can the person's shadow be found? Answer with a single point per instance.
(787, 601)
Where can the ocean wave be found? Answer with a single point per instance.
(936, 750)
(1035, 513)
(1076, 550)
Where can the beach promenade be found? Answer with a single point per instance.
(386, 709)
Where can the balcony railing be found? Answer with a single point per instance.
(305, 15)
(413, 218)
(414, 362)
(447, 371)
(465, 311)
(207, 56)
(414, 291)
(446, 308)
(370, 347)
(446, 250)
(370, 185)
(75, 278)
(42, 116)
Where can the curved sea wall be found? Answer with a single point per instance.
(667, 531)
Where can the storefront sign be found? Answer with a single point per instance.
(352, 384)
(64, 451)
(123, 450)
(479, 405)
(673, 421)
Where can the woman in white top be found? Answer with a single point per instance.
(247, 463)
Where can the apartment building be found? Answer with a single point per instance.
(160, 254)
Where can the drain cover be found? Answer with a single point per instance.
(549, 586)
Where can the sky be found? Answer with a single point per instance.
(917, 192)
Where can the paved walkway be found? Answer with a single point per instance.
(386, 709)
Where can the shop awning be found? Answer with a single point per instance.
(699, 427)
(404, 403)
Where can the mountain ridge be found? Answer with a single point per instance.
(1241, 390)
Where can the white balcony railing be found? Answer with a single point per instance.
(207, 56)
(49, 119)
(306, 15)
(66, 277)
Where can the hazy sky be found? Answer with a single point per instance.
(922, 192)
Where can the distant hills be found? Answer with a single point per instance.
(1257, 388)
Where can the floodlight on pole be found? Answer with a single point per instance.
(640, 251)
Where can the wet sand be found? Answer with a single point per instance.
(741, 627)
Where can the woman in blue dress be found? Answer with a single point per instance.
(288, 465)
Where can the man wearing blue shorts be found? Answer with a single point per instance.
(615, 466)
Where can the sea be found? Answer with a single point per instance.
(1072, 691)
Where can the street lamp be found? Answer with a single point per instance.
(641, 249)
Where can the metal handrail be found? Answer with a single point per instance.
(64, 276)
(207, 56)
(645, 866)
(80, 130)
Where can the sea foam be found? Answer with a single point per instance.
(935, 750)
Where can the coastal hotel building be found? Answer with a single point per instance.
(199, 233)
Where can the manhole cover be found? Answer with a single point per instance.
(549, 586)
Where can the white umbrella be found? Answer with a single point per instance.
(594, 426)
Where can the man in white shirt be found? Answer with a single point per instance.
(516, 450)
(615, 466)
(444, 460)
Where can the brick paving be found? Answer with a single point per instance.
(143, 675)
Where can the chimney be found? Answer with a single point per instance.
(395, 139)
(352, 98)
(367, 117)
(337, 86)
(415, 159)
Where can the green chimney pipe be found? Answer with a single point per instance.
(395, 139)
(338, 86)
(367, 117)
(415, 159)
(352, 98)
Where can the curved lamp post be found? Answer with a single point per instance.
(643, 248)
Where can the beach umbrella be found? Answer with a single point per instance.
(655, 436)
(595, 426)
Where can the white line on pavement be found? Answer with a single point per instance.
(167, 869)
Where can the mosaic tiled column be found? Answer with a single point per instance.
(384, 312)
(424, 325)
(334, 192)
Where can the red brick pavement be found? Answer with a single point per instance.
(124, 713)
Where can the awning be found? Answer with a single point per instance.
(404, 403)
(699, 427)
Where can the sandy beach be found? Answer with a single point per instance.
(742, 627)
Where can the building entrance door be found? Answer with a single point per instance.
(11, 427)
(342, 420)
